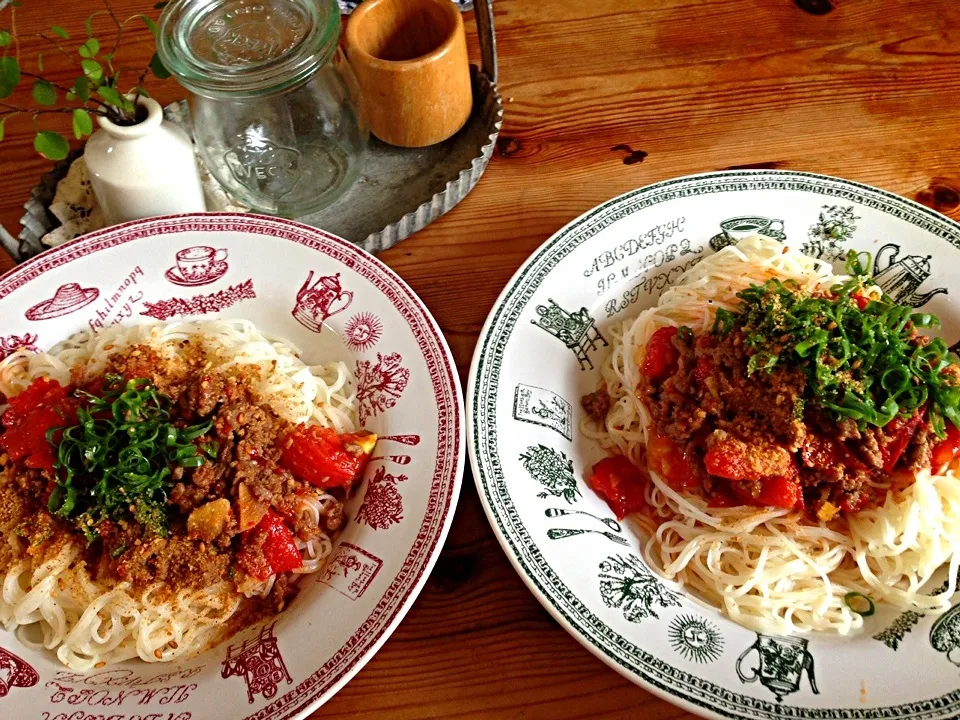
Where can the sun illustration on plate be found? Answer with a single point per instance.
(695, 638)
(362, 331)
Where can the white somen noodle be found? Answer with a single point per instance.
(774, 570)
(54, 602)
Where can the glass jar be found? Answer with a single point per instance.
(276, 110)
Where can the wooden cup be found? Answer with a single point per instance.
(410, 58)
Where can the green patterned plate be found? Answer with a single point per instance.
(540, 350)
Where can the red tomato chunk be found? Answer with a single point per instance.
(620, 483)
(660, 359)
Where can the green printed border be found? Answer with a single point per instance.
(617, 650)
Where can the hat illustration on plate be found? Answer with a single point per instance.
(68, 298)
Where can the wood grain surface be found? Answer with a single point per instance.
(602, 97)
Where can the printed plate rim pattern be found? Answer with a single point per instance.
(679, 686)
(322, 683)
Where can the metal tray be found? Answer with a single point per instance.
(400, 191)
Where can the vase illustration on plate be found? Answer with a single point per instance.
(15, 672)
(900, 278)
(199, 265)
(67, 299)
(783, 661)
(736, 229)
(320, 300)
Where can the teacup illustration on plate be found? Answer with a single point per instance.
(737, 228)
(198, 265)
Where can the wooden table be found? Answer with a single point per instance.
(602, 97)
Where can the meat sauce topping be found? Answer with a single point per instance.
(170, 473)
(795, 400)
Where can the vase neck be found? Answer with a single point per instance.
(131, 132)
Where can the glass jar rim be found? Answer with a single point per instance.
(273, 74)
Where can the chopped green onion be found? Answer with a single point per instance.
(117, 460)
(862, 364)
(861, 604)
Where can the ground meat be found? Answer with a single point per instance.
(919, 452)
(596, 404)
(869, 449)
(170, 376)
(205, 483)
(203, 393)
(176, 561)
(711, 394)
(759, 405)
(847, 430)
(334, 517)
(282, 592)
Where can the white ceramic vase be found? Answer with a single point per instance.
(143, 170)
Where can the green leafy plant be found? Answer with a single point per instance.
(96, 90)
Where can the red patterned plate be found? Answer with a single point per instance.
(333, 301)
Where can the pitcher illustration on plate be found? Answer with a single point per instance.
(900, 278)
(782, 662)
(318, 301)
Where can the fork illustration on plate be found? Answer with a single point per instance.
(560, 533)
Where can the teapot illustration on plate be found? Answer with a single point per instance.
(782, 663)
(900, 278)
(320, 300)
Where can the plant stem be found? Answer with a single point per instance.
(13, 110)
(13, 30)
(56, 45)
(40, 77)
(116, 42)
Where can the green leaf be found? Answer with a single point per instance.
(141, 91)
(43, 93)
(59, 31)
(9, 75)
(150, 24)
(81, 86)
(2, 121)
(5, 38)
(51, 145)
(90, 48)
(82, 123)
(93, 70)
(158, 68)
(111, 96)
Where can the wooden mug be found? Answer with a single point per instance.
(410, 58)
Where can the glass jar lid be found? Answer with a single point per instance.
(244, 48)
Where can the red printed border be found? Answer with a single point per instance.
(400, 594)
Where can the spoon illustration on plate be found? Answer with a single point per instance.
(559, 533)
